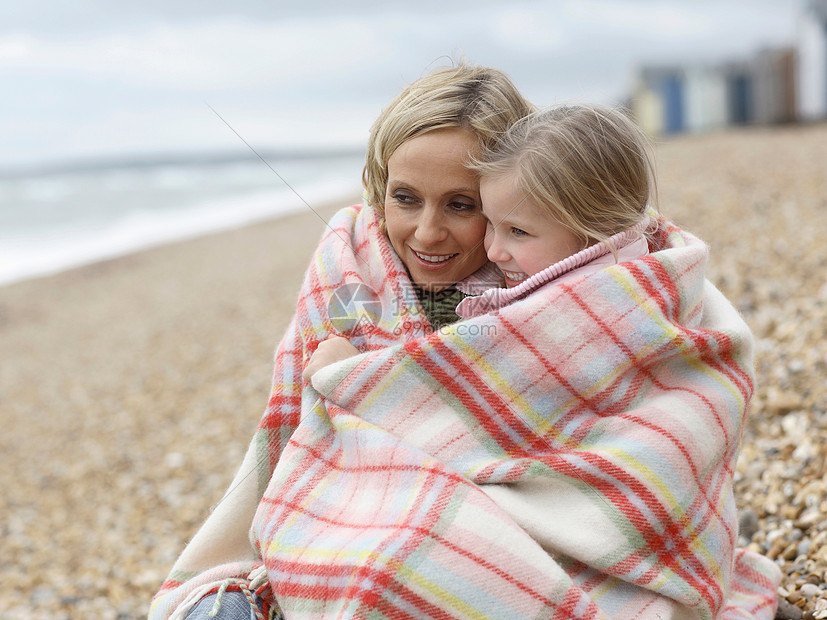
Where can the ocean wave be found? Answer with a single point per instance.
(61, 223)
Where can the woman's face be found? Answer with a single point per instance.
(432, 208)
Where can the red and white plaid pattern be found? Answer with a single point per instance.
(569, 456)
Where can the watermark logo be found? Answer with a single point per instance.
(354, 307)
(462, 330)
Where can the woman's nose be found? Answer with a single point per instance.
(430, 228)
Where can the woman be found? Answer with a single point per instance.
(382, 274)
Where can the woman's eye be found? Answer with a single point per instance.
(403, 198)
(461, 205)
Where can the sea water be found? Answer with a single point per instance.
(54, 220)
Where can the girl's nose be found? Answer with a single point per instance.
(431, 229)
(494, 246)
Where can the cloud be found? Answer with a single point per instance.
(87, 17)
(635, 18)
(682, 30)
(198, 57)
(527, 31)
(130, 77)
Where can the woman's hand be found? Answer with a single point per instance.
(334, 349)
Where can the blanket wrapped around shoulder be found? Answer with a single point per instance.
(568, 456)
(355, 286)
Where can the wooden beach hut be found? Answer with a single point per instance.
(812, 61)
(646, 106)
(662, 92)
(774, 85)
(705, 98)
(740, 99)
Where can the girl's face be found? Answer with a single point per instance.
(432, 208)
(522, 238)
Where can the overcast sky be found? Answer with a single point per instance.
(101, 78)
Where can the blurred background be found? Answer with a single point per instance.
(135, 384)
(123, 125)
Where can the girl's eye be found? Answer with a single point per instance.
(518, 232)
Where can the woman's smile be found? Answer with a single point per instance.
(434, 259)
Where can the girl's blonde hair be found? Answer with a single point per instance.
(590, 166)
(480, 99)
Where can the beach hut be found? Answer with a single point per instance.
(774, 91)
(740, 105)
(672, 89)
(646, 106)
(705, 98)
(664, 93)
(812, 61)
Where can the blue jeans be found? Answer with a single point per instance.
(234, 606)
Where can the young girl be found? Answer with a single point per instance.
(565, 194)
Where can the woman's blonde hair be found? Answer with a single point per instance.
(480, 99)
(590, 166)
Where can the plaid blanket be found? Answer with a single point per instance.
(569, 456)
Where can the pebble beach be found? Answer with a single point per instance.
(130, 388)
